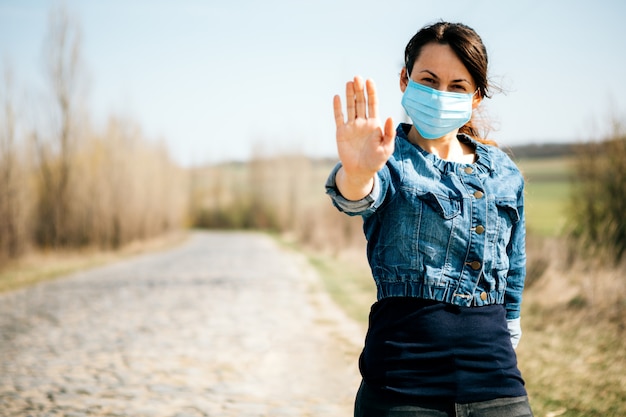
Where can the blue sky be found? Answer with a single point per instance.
(217, 79)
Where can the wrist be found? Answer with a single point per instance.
(354, 186)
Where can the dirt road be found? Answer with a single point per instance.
(228, 324)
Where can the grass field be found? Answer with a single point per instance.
(548, 189)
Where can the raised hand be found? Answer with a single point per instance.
(363, 145)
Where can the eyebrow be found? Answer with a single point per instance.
(435, 76)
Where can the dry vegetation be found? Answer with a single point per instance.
(574, 320)
(65, 185)
(281, 194)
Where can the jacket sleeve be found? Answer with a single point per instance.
(516, 251)
(364, 207)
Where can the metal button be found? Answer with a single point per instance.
(479, 194)
(483, 296)
(468, 170)
(480, 230)
(475, 265)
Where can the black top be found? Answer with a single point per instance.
(420, 349)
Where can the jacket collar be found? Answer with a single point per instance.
(483, 163)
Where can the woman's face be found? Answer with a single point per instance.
(438, 67)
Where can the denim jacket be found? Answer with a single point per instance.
(445, 231)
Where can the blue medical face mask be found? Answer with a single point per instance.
(436, 113)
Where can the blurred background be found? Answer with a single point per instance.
(124, 122)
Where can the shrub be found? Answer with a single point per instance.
(599, 198)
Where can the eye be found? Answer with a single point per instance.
(459, 88)
(427, 81)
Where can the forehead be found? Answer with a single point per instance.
(441, 60)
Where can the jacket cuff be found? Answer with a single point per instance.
(350, 206)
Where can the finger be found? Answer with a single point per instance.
(389, 132)
(372, 99)
(350, 101)
(339, 120)
(359, 95)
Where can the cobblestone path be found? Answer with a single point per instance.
(228, 324)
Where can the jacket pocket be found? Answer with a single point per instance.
(444, 206)
(439, 217)
(508, 206)
(508, 216)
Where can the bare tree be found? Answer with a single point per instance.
(12, 207)
(62, 49)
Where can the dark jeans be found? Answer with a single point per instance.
(370, 403)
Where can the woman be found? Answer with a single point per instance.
(444, 219)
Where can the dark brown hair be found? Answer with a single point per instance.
(467, 45)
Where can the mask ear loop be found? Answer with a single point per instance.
(408, 76)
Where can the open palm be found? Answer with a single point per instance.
(364, 146)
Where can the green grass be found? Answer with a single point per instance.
(546, 207)
(350, 284)
(548, 189)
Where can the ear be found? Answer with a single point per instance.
(404, 79)
(478, 98)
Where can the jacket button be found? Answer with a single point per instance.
(475, 265)
(480, 230)
(483, 296)
(478, 194)
(468, 170)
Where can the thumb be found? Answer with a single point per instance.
(389, 132)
